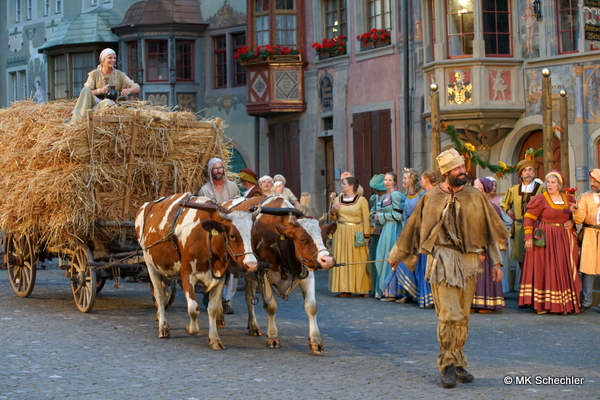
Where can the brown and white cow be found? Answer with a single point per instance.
(194, 245)
(293, 247)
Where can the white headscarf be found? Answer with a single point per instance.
(105, 53)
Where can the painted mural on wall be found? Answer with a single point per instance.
(591, 92)
(533, 94)
(225, 103)
(563, 78)
(500, 84)
(225, 15)
(325, 91)
(529, 28)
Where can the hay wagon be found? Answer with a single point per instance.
(71, 191)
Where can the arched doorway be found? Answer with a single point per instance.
(535, 140)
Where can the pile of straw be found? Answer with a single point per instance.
(57, 180)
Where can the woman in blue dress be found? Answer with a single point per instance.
(376, 184)
(390, 218)
(414, 282)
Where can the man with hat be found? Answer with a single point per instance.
(249, 179)
(454, 224)
(219, 189)
(515, 204)
(587, 212)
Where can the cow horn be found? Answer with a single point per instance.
(224, 215)
(256, 211)
(293, 220)
(323, 218)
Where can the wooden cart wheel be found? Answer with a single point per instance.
(170, 286)
(83, 279)
(99, 282)
(20, 263)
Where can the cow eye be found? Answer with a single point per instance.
(232, 237)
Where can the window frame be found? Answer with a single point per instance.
(18, 10)
(575, 33)
(158, 66)
(461, 35)
(371, 19)
(238, 70)
(77, 85)
(219, 51)
(28, 10)
(181, 67)
(46, 8)
(496, 33)
(268, 12)
(133, 64)
(231, 69)
(338, 15)
(58, 5)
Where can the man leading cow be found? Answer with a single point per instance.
(219, 189)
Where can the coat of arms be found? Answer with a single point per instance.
(460, 91)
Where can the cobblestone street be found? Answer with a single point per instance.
(373, 350)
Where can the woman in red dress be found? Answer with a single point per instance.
(550, 280)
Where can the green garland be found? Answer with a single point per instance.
(468, 149)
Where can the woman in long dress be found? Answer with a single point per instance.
(376, 184)
(390, 217)
(414, 282)
(550, 280)
(488, 294)
(352, 214)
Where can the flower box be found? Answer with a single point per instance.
(267, 53)
(330, 47)
(374, 38)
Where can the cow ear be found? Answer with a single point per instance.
(284, 230)
(329, 229)
(213, 227)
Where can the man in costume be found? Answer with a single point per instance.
(587, 212)
(454, 223)
(218, 187)
(514, 205)
(221, 190)
(249, 179)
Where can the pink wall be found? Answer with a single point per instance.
(374, 80)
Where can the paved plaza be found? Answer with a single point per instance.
(373, 350)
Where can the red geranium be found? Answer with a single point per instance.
(263, 52)
(374, 35)
(336, 45)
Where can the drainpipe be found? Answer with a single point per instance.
(406, 109)
(257, 144)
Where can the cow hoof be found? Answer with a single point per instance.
(216, 345)
(274, 343)
(254, 331)
(221, 323)
(190, 331)
(164, 334)
(316, 348)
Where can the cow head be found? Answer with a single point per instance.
(308, 239)
(236, 229)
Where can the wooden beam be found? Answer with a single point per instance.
(548, 134)
(436, 146)
(564, 138)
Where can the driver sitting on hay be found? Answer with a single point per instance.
(103, 85)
